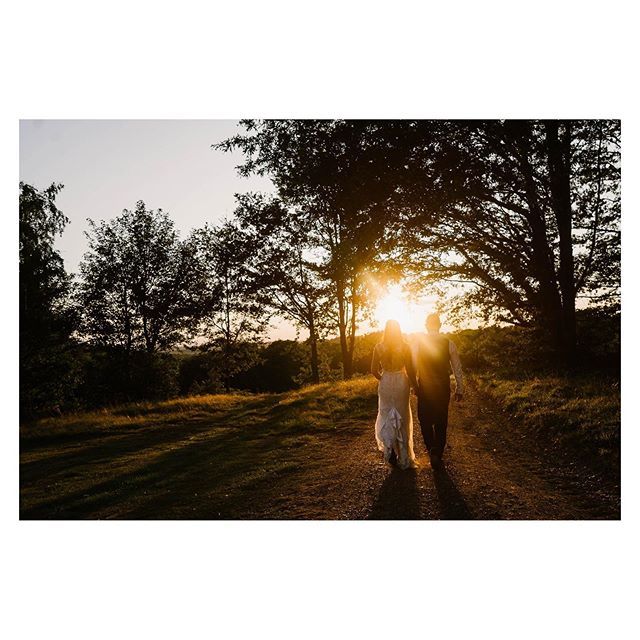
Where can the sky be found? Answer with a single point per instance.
(108, 165)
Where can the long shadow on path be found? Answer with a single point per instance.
(398, 497)
(452, 503)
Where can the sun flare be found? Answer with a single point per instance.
(395, 304)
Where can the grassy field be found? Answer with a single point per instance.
(214, 453)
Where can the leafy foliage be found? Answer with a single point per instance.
(329, 176)
(284, 271)
(141, 285)
(47, 319)
(520, 220)
(524, 213)
(234, 316)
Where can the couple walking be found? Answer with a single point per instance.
(425, 369)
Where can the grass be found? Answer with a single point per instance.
(263, 455)
(202, 456)
(314, 404)
(579, 415)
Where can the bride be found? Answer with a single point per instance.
(392, 366)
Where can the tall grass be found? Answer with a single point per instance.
(313, 404)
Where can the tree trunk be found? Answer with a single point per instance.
(225, 367)
(227, 329)
(145, 330)
(313, 345)
(559, 158)
(550, 302)
(315, 371)
(347, 355)
(352, 330)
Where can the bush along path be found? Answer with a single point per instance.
(308, 454)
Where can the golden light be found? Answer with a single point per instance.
(395, 304)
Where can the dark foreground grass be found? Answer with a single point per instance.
(205, 456)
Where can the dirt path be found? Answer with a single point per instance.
(490, 473)
(248, 464)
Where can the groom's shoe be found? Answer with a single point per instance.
(436, 462)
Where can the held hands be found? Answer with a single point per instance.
(458, 397)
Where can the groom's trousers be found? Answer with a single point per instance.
(433, 415)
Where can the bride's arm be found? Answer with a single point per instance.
(375, 363)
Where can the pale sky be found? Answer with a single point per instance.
(108, 165)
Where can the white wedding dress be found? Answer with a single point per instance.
(394, 423)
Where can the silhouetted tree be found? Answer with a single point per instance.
(46, 317)
(142, 287)
(329, 172)
(284, 270)
(525, 214)
(526, 211)
(234, 316)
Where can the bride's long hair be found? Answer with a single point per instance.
(392, 340)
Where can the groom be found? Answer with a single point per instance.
(435, 356)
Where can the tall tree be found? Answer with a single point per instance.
(47, 318)
(234, 319)
(284, 270)
(329, 172)
(526, 211)
(141, 285)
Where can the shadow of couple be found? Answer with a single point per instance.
(399, 496)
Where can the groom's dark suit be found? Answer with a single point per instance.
(435, 357)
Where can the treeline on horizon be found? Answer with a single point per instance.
(518, 219)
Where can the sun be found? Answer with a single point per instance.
(392, 306)
(396, 305)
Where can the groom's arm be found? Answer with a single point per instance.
(456, 367)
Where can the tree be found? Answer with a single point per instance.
(141, 285)
(526, 211)
(234, 318)
(330, 172)
(47, 318)
(524, 214)
(284, 271)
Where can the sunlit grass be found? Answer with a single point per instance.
(220, 455)
(136, 414)
(320, 398)
(582, 413)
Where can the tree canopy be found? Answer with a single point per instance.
(523, 214)
(142, 287)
